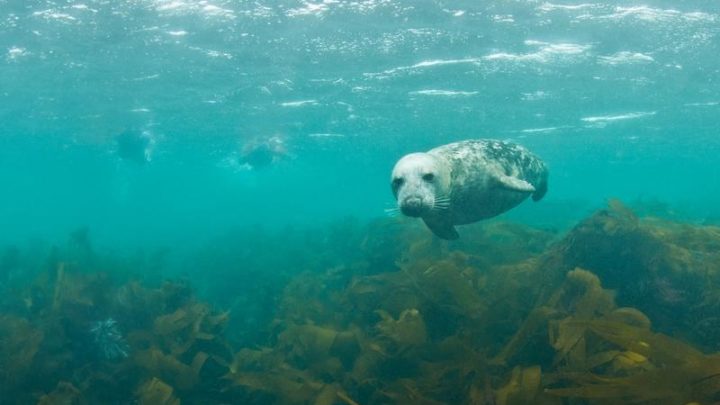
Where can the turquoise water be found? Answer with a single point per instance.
(621, 99)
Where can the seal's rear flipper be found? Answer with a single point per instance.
(441, 229)
(515, 184)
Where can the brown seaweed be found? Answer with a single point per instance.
(622, 309)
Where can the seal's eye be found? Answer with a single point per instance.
(428, 177)
(398, 181)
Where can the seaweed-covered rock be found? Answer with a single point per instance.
(666, 269)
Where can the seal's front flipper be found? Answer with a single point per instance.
(442, 229)
(541, 190)
(515, 184)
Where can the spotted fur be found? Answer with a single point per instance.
(479, 178)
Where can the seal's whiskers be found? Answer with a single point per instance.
(392, 212)
(441, 203)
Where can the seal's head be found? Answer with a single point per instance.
(135, 145)
(260, 153)
(420, 183)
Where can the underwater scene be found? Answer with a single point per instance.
(357, 202)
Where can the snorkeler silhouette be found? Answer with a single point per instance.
(261, 153)
(135, 146)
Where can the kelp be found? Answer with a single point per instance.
(166, 341)
(579, 297)
(20, 344)
(64, 393)
(620, 309)
(156, 392)
(651, 369)
(525, 386)
(407, 331)
(668, 270)
(266, 371)
(607, 354)
(414, 334)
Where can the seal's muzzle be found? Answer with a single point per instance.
(412, 206)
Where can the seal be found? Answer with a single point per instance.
(261, 153)
(465, 182)
(136, 146)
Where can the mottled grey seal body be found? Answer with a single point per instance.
(464, 182)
